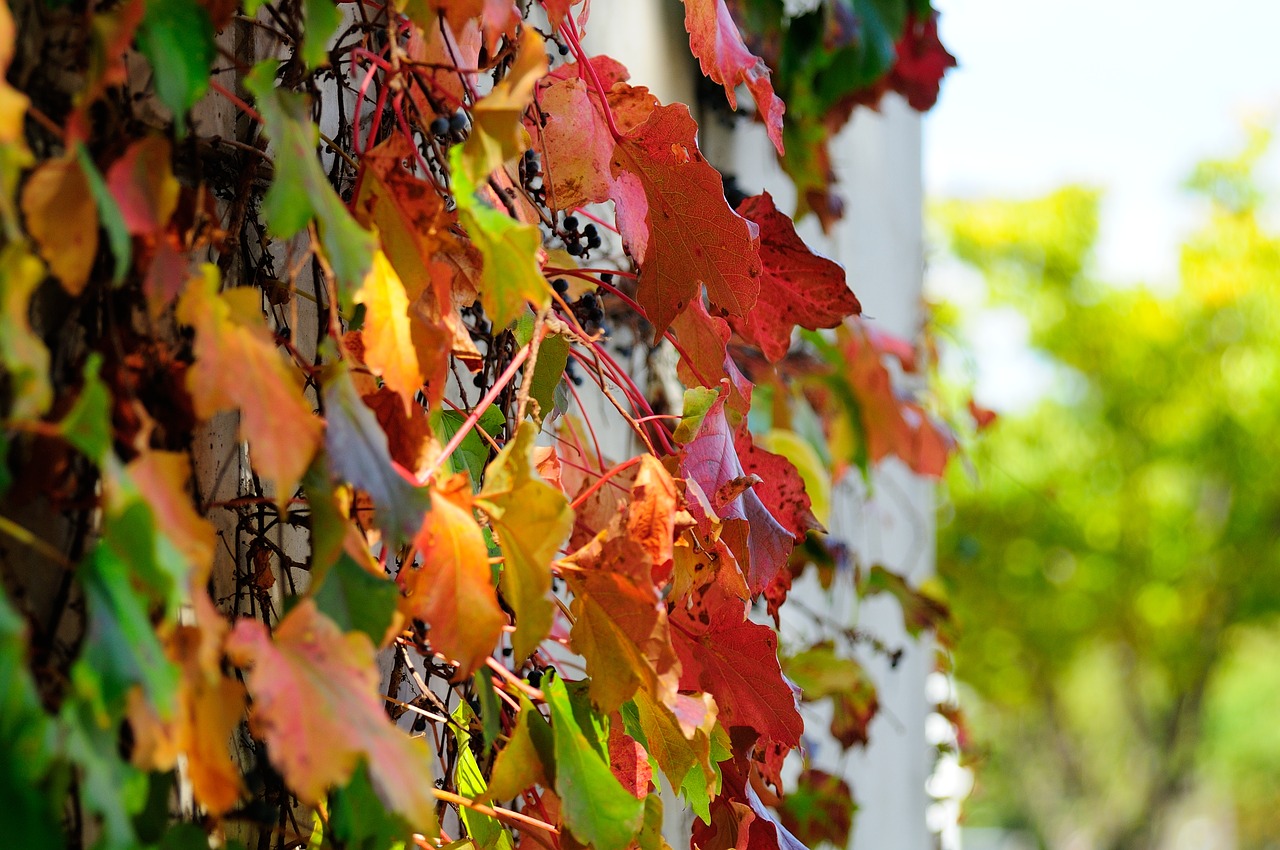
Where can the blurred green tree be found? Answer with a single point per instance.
(1114, 565)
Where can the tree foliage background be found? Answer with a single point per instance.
(1113, 564)
(308, 535)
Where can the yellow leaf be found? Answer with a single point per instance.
(13, 103)
(388, 341)
(237, 366)
(497, 134)
(63, 219)
(531, 519)
(22, 352)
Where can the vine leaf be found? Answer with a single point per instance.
(176, 36)
(22, 351)
(676, 223)
(485, 832)
(357, 451)
(321, 19)
(715, 40)
(819, 810)
(711, 461)
(781, 488)
(62, 218)
(357, 599)
(680, 741)
(497, 134)
(740, 819)
(704, 357)
(316, 705)
(820, 673)
(300, 190)
(520, 763)
(511, 274)
(922, 608)
(389, 348)
(497, 17)
(575, 144)
(237, 366)
(736, 661)
(13, 103)
(451, 585)
(143, 185)
(532, 519)
(798, 286)
(595, 807)
(409, 438)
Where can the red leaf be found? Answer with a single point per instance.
(711, 461)
(676, 223)
(714, 38)
(628, 760)
(748, 826)
(736, 661)
(922, 62)
(142, 183)
(704, 359)
(781, 488)
(798, 287)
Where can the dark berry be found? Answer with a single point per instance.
(573, 249)
(535, 677)
(420, 723)
(589, 231)
(589, 301)
(562, 49)
(478, 380)
(458, 121)
(593, 241)
(560, 285)
(606, 278)
(570, 223)
(440, 126)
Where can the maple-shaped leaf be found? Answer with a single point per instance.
(820, 673)
(675, 221)
(22, 352)
(711, 461)
(451, 585)
(715, 39)
(497, 134)
(594, 805)
(797, 288)
(62, 218)
(781, 487)
(704, 354)
(237, 366)
(358, 453)
(317, 706)
(736, 661)
(143, 185)
(511, 274)
(300, 190)
(389, 348)
(531, 519)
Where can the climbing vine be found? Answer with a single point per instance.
(314, 320)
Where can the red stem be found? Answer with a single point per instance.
(586, 494)
(571, 35)
(235, 99)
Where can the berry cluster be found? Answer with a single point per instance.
(451, 129)
(578, 243)
(530, 168)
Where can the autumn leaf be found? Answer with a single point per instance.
(450, 586)
(486, 832)
(13, 103)
(496, 133)
(143, 185)
(704, 356)
(520, 763)
(317, 706)
(409, 439)
(237, 366)
(736, 661)
(921, 62)
(511, 274)
(532, 520)
(22, 351)
(820, 674)
(358, 453)
(716, 41)
(682, 741)
(711, 461)
(781, 488)
(575, 144)
(797, 287)
(739, 819)
(389, 348)
(676, 223)
(300, 190)
(62, 218)
(595, 807)
(497, 17)
(922, 608)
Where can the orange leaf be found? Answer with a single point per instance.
(316, 705)
(63, 219)
(237, 366)
(451, 587)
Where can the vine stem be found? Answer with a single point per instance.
(514, 818)
(483, 405)
(600, 482)
(571, 35)
(236, 100)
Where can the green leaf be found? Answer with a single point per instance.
(595, 806)
(109, 214)
(528, 757)
(22, 352)
(87, 426)
(532, 520)
(328, 526)
(300, 190)
(320, 21)
(159, 570)
(511, 274)
(356, 599)
(109, 787)
(358, 820)
(28, 745)
(486, 832)
(185, 836)
(697, 401)
(176, 36)
(472, 453)
(357, 449)
(490, 707)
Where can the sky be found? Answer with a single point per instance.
(1125, 95)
